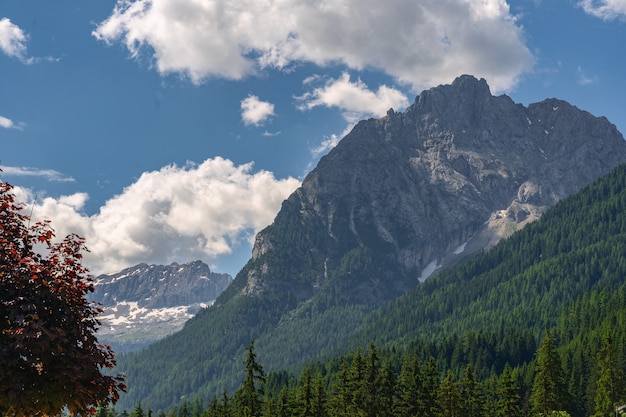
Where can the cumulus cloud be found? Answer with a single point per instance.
(7, 123)
(354, 99)
(12, 40)
(173, 214)
(605, 9)
(255, 111)
(49, 174)
(422, 43)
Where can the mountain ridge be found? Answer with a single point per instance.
(459, 149)
(144, 303)
(396, 199)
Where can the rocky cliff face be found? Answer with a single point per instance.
(145, 303)
(405, 194)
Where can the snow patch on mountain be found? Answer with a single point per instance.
(145, 303)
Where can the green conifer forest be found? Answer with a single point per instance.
(533, 327)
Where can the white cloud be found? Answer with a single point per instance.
(12, 40)
(354, 99)
(255, 111)
(605, 9)
(13, 43)
(175, 214)
(7, 123)
(423, 43)
(49, 174)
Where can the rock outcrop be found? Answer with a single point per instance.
(413, 191)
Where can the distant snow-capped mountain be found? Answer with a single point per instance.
(145, 303)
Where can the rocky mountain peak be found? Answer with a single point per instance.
(465, 90)
(467, 99)
(403, 195)
(144, 303)
(158, 286)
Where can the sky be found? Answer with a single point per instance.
(171, 130)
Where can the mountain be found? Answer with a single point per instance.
(398, 198)
(455, 172)
(563, 273)
(145, 303)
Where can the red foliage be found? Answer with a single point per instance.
(50, 357)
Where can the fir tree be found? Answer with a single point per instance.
(343, 395)
(248, 397)
(282, 408)
(371, 400)
(449, 398)
(549, 391)
(305, 398)
(430, 387)
(470, 395)
(387, 390)
(358, 385)
(409, 389)
(508, 403)
(609, 385)
(319, 397)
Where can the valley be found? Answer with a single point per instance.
(376, 247)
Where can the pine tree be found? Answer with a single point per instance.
(358, 385)
(319, 397)
(490, 397)
(343, 393)
(409, 389)
(371, 400)
(248, 397)
(448, 397)
(508, 403)
(387, 390)
(227, 406)
(610, 382)
(305, 397)
(470, 395)
(282, 408)
(429, 391)
(549, 391)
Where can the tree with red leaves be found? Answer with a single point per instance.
(50, 358)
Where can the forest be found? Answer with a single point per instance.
(384, 384)
(560, 278)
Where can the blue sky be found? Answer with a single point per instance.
(171, 130)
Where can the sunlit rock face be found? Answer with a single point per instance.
(414, 191)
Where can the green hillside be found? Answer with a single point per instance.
(564, 272)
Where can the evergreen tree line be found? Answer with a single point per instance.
(374, 384)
